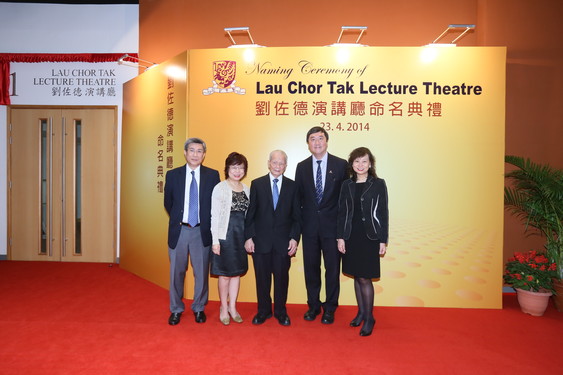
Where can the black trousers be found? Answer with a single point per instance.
(266, 265)
(313, 247)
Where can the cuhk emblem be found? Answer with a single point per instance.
(224, 75)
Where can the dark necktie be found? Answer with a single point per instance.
(193, 209)
(275, 193)
(319, 183)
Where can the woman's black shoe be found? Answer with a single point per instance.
(367, 328)
(357, 321)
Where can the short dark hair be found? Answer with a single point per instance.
(316, 129)
(235, 158)
(358, 153)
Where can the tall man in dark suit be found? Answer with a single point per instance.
(187, 199)
(319, 178)
(272, 231)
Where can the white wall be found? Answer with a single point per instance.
(57, 28)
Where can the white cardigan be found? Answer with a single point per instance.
(221, 201)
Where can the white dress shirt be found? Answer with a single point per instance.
(187, 193)
(324, 162)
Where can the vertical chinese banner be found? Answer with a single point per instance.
(154, 131)
(165, 140)
(434, 119)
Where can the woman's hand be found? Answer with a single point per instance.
(216, 249)
(341, 245)
(382, 248)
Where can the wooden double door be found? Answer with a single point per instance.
(62, 184)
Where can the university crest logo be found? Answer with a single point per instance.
(224, 75)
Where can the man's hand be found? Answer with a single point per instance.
(292, 247)
(249, 246)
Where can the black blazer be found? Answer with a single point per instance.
(373, 206)
(174, 191)
(320, 218)
(271, 230)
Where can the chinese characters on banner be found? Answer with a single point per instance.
(165, 143)
(343, 108)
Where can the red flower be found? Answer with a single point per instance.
(530, 271)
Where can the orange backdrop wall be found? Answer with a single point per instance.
(439, 144)
(529, 30)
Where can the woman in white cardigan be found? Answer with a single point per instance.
(229, 260)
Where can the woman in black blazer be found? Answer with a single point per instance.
(362, 231)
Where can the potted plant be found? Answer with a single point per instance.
(536, 197)
(531, 274)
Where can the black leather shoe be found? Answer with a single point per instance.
(260, 318)
(367, 328)
(283, 320)
(174, 319)
(357, 321)
(311, 314)
(200, 317)
(328, 317)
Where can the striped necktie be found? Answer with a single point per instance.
(194, 203)
(319, 183)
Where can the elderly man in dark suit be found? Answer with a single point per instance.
(319, 178)
(187, 199)
(272, 231)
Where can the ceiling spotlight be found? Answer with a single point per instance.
(360, 29)
(230, 30)
(135, 62)
(454, 27)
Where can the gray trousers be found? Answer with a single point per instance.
(189, 245)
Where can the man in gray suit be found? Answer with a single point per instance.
(187, 199)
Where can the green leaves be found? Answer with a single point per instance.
(530, 271)
(535, 196)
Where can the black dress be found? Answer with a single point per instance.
(233, 260)
(362, 254)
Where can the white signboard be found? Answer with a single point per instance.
(72, 83)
